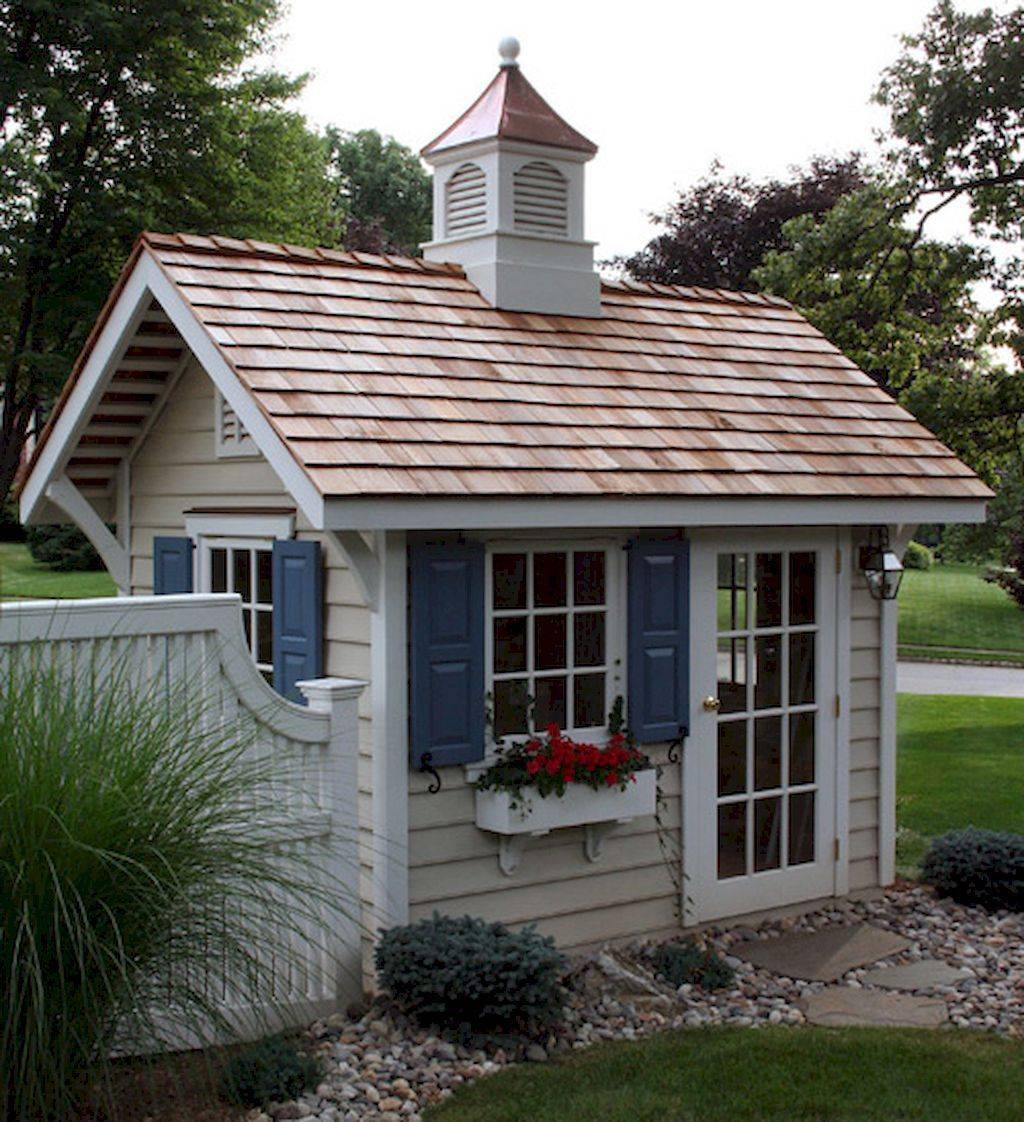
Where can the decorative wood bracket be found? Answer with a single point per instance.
(512, 846)
(64, 494)
(510, 850)
(363, 561)
(594, 836)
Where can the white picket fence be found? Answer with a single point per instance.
(163, 641)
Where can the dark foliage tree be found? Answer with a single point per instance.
(123, 115)
(382, 194)
(718, 231)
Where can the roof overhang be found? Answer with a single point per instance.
(500, 513)
(144, 282)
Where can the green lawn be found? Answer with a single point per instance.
(768, 1075)
(949, 609)
(960, 762)
(21, 578)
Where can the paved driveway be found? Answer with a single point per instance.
(943, 677)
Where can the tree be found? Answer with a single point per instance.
(382, 196)
(717, 232)
(902, 308)
(956, 101)
(123, 115)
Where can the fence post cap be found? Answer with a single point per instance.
(331, 689)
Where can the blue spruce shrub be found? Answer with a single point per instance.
(977, 867)
(463, 973)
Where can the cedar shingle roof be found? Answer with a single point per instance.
(394, 377)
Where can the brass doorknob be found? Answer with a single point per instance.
(712, 703)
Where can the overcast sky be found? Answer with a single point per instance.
(661, 88)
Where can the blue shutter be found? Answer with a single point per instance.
(446, 652)
(172, 565)
(298, 590)
(659, 639)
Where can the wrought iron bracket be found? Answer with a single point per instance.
(677, 744)
(427, 767)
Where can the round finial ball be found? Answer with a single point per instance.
(508, 48)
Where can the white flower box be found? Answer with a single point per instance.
(533, 816)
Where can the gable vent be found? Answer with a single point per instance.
(232, 437)
(465, 200)
(540, 199)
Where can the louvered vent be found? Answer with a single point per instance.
(465, 200)
(233, 438)
(540, 199)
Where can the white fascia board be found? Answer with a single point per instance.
(381, 513)
(209, 356)
(121, 325)
(148, 281)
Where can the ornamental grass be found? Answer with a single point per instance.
(141, 891)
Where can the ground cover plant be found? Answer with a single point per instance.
(685, 962)
(137, 885)
(772, 1075)
(960, 762)
(952, 609)
(270, 1070)
(22, 578)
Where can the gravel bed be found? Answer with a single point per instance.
(384, 1068)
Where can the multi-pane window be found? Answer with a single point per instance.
(552, 638)
(235, 565)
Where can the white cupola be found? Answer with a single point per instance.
(508, 199)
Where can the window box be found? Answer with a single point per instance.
(599, 812)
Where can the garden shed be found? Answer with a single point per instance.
(511, 494)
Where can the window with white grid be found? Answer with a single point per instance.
(553, 637)
(244, 566)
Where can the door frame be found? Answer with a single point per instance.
(699, 883)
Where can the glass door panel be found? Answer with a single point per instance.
(768, 711)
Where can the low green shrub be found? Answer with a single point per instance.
(271, 1070)
(917, 556)
(466, 974)
(137, 885)
(687, 963)
(64, 548)
(975, 866)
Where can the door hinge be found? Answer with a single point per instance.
(835, 849)
(839, 705)
(839, 560)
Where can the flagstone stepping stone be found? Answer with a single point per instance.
(823, 956)
(928, 974)
(840, 1006)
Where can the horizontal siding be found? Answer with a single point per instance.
(177, 469)
(865, 745)
(454, 869)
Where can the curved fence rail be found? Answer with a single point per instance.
(194, 646)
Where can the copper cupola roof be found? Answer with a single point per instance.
(512, 109)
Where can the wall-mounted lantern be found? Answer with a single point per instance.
(883, 570)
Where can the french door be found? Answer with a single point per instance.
(760, 765)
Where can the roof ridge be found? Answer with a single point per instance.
(251, 247)
(691, 291)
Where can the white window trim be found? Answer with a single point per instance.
(241, 445)
(615, 626)
(228, 530)
(244, 524)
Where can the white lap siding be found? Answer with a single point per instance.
(865, 726)
(177, 469)
(453, 868)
